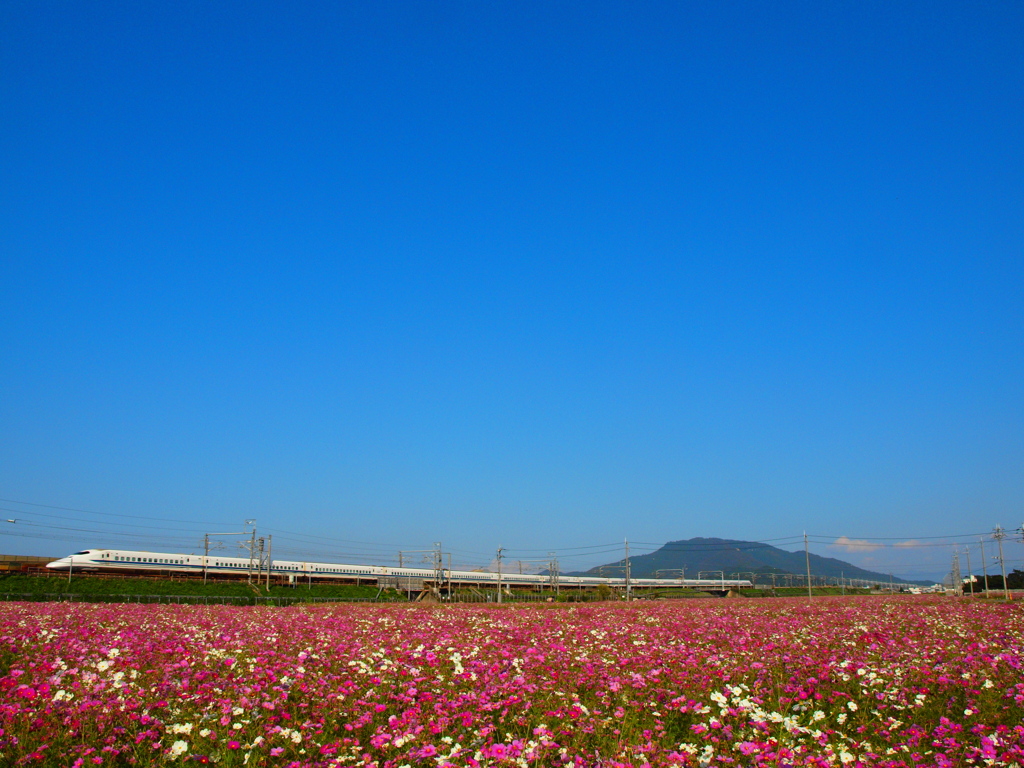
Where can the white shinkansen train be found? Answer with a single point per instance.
(129, 561)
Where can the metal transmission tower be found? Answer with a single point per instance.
(629, 584)
(553, 572)
(266, 561)
(255, 556)
(954, 574)
(440, 575)
(999, 534)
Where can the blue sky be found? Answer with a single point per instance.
(537, 275)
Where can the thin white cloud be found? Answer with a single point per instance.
(846, 544)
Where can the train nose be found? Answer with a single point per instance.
(58, 564)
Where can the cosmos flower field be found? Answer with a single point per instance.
(916, 681)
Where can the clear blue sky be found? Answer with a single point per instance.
(532, 274)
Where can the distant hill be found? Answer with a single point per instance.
(732, 555)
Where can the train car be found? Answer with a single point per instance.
(136, 562)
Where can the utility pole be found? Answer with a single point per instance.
(807, 557)
(970, 576)
(955, 575)
(629, 592)
(262, 545)
(71, 567)
(401, 564)
(270, 559)
(252, 550)
(999, 535)
(842, 582)
(984, 563)
(500, 550)
(206, 554)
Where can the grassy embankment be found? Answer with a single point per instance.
(779, 592)
(802, 591)
(99, 587)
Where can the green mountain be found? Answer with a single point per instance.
(734, 556)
